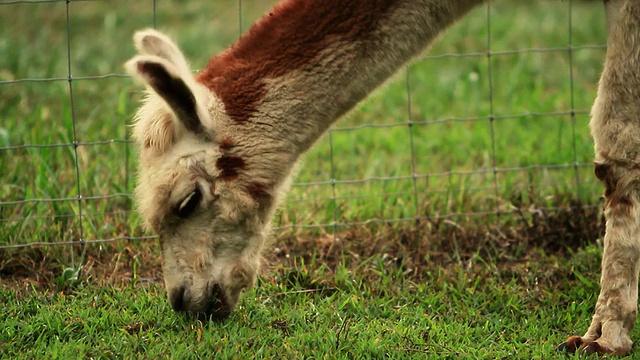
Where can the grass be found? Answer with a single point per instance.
(453, 214)
(449, 314)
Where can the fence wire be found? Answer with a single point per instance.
(97, 209)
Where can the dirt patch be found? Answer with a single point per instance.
(500, 239)
(411, 248)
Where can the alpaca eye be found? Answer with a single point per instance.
(188, 204)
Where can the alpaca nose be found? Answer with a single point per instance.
(219, 307)
(176, 298)
(215, 306)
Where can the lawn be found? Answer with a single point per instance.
(453, 214)
(452, 313)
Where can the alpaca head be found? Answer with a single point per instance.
(193, 190)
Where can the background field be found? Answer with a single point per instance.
(453, 214)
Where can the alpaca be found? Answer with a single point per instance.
(217, 151)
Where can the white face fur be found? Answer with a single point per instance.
(211, 230)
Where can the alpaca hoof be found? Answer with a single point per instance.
(592, 348)
(585, 348)
(571, 345)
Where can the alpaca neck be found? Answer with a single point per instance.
(306, 63)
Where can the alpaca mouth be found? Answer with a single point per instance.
(216, 306)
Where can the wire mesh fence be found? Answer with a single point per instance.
(493, 119)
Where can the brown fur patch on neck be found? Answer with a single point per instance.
(287, 38)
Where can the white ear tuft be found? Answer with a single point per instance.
(153, 42)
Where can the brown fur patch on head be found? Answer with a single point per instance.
(259, 192)
(237, 75)
(230, 166)
(226, 144)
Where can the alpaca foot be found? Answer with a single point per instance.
(589, 347)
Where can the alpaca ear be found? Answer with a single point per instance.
(166, 80)
(153, 42)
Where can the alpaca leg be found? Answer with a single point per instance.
(616, 308)
(615, 127)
